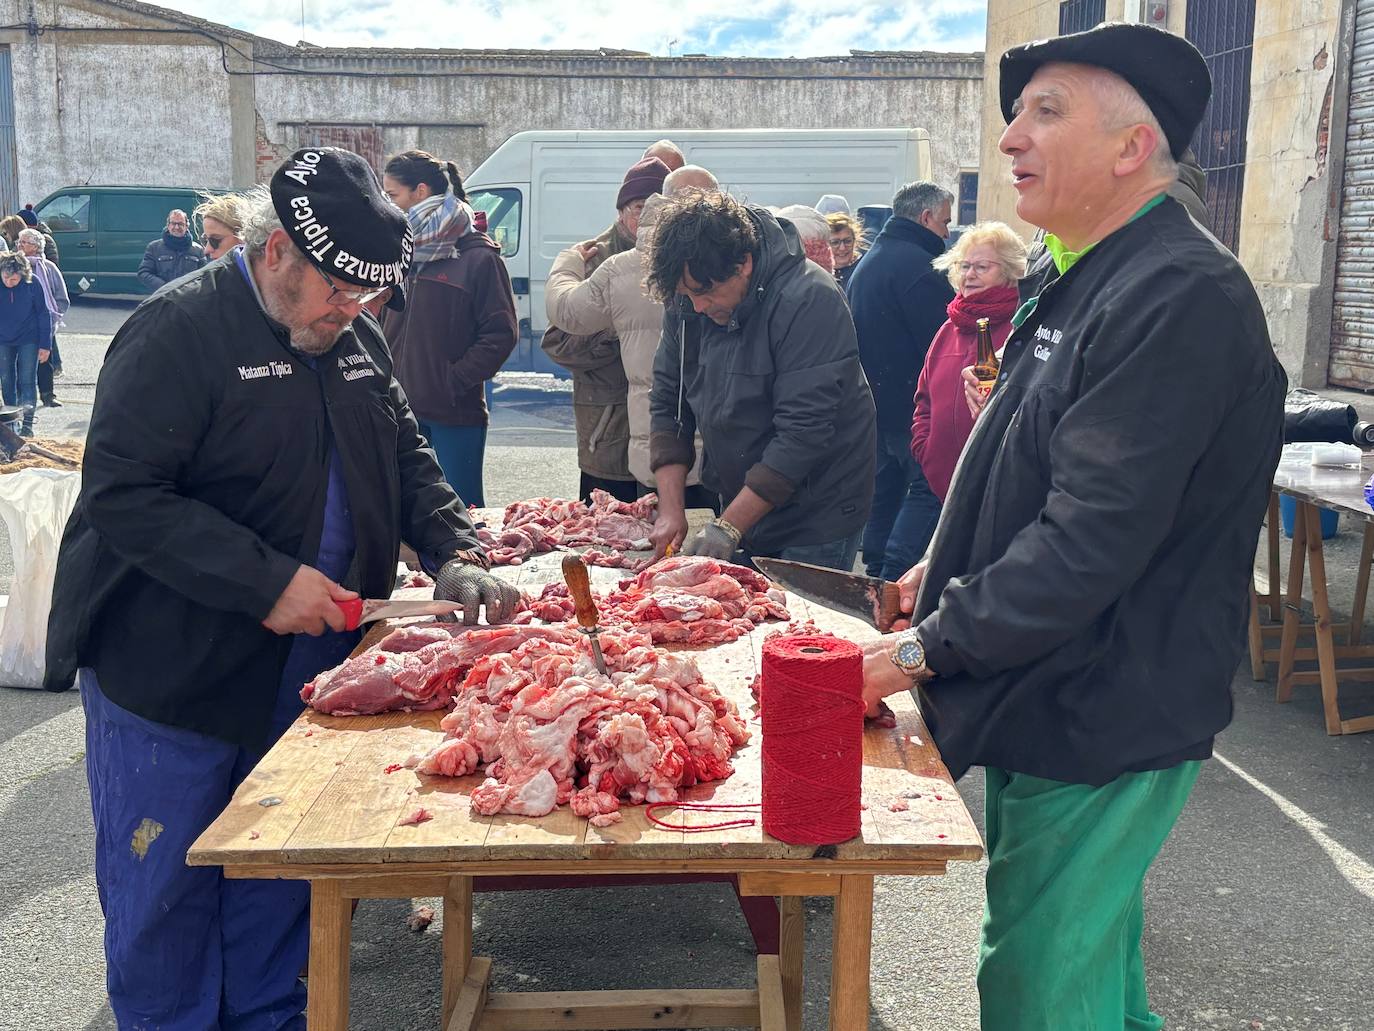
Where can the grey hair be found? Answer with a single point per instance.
(1120, 107)
(14, 262)
(260, 218)
(31, 235)
(913, 199)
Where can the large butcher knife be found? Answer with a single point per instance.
(877, 602)
(366, 610)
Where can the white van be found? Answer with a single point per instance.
(544, 191)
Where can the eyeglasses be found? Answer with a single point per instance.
(981, 267)
(177, 225)
(339, 297)
(214, 241)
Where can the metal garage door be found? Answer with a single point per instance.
(1352, 323)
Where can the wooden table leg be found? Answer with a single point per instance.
(457, 946)
(1361, 586)
(849, 962)
(1321, 607)
(1274, 599)
(1256, 637)
(330, 929)
(772, 1007)
(1292, 608)
(792, 955)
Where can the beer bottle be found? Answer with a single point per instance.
(987, 365)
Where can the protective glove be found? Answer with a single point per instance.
(712, 541)
(471, 586)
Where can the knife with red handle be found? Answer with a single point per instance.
(367, 610)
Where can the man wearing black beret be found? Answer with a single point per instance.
(251, 462)
(1082, 609)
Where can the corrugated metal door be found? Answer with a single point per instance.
(9, 161)
(1352, 323)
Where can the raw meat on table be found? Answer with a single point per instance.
(546, 524)
(416, 667)
(682, 600)
(549, 729)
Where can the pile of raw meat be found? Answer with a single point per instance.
(530, 708)
(682, 600)
(607, 525)
(550, 729)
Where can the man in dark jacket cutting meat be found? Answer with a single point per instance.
(1082, 609)
(251, 462)
(759, 355)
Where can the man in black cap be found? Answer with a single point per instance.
(251, 462)
(1082, 609)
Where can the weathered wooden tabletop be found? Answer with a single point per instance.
(1339, 488)
(340, 808)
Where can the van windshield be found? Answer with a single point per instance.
(502, 206)
(67, 213)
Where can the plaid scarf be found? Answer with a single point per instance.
(437, 223)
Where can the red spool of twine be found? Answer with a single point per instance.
(813, 728)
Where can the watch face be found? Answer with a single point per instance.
(910, 654)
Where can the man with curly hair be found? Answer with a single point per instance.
(760, 357)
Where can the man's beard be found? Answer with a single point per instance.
(313, 338)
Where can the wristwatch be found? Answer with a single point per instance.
(909, 655)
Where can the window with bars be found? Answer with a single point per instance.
(1081, 15)
(1224, 32)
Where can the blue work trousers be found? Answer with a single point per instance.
(186, 949)
(461, 451)
(19, 374)
(905, 509)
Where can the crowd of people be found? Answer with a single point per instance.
(1072, 542)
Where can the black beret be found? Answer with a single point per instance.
(1166, 70)
(333, 208)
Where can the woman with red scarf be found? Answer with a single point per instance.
(983, 268)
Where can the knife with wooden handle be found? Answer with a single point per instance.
(580, 587)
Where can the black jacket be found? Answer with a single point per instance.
(899, 304)
(203, 491)
(1086, 599)
(161, 264)
(778, 396)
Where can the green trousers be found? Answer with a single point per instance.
(1060, 947)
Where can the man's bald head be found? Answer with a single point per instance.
(666, 151)
(689, 177)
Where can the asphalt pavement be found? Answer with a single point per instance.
(1258, 911)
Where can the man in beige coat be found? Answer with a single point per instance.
(612, 299)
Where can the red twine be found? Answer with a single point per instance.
(701, 807)
(813, 721)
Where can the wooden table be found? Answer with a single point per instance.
(337, 826)
(1314, 489)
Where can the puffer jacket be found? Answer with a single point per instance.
(613, 299)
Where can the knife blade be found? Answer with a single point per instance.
(367, 610)
(877, 602)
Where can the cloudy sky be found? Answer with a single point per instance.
(763, 28)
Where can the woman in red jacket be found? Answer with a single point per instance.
(983, 268)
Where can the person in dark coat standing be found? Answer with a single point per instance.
(1082, 610)
(758, 354)
(25, 335)
(251, 463)
(172, 256)
(899, 302)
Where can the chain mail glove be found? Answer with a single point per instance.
(471, 586)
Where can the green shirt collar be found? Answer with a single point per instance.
(1064, 259)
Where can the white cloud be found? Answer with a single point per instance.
(768, 28)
